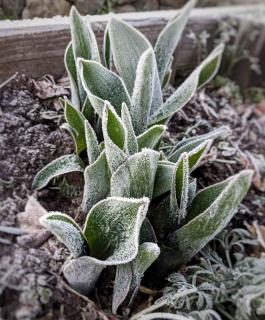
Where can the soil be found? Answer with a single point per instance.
(30, 283)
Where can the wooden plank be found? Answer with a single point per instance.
(36, 47)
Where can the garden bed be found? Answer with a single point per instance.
(31, 281)
(31, 138)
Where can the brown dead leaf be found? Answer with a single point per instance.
(261, 108)
(29, 219)
(258, 164)
(46, 88)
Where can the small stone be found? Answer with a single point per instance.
(89, 6)
(45, 8)
(13, 8)
(125, 8)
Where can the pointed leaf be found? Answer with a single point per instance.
(197, 154)
(102, 84)
(131, 144)
(76, 121)
(192, 191)
(122, 284)
(129, 276)
(91, 143)
(112, 229)
(62, 165)
(127, 44)
(179, 190)
(114, 134)
(169, 39)
(143, 91)
(107, 54)
(210, 211)
(84, 46)
(66, 230)
(97, 183)
(147, 254)
(151, 137)
(200, 76)
(83, 38)
(70, 66)
(189, 144)
(135, 177)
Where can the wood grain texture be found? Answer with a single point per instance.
(36, 47)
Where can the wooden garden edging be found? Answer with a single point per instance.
(36, 47)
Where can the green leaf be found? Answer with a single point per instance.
(189, 144)
(76, 121)
(97, 182)
(135, 177)
(83, 38)
(129, 276)
(163, 178)
(127, 44)
(59, 166)
(143, 91)
(70, 66)
(114, 134)
(192, 191)
(197, 154)
(200, 76)
(179, 190)
(84, 46)
(107, 54)
(122, 284)
(210, 211)
(151, 137)
(131, 144)
(82, 273)
(169, 39)
(66, 230)
(102, 84)
(112, 229)
(91, 143)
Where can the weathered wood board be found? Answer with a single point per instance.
(36, 47)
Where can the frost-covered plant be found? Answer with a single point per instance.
(233, 285)
(137, 200)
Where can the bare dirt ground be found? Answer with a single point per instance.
(31, 286)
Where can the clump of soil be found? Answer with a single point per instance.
(30, 279)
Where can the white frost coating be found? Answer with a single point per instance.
(189, 144)
(82, 274)
(198, 153)
(179, 190)
(129, 276)
(69, 62)
(127, 44)
(131, 144)
(135, 177)
(115, 155)
(114, 221)
(192, 191)
(59, 166)
(102, 84)
(163, 178)
(143, 91)
(114, 224)
(195, 234)
(97, 182)
(122, 284)
(91, 143)
(151, 137)
(66, 230)
(199, 77)
(169, 38)
(83, 37)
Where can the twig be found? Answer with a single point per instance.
(8, 80)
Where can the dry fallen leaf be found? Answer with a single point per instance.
(29, 222)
